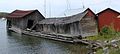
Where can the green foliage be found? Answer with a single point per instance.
(107, 33)
(111, 51)
(114, 51)
(3, 14)
(108, 30)
(105, 30)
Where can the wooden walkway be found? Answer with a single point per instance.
(50, 36)
(63, 38)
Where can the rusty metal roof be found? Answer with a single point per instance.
(19, 13)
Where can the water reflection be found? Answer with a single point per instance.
(13, 43)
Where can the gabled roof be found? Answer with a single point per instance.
(20, 13)
(64, 20)
(88, 9)
(108, 9)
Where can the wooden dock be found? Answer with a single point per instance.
(62, 38)
(50, 36)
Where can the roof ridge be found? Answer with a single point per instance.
(20, 13)
(108, 9)
(24, 10)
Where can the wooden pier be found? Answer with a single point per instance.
(62, 38)
(50, 36)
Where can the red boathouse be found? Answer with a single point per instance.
(109, 17)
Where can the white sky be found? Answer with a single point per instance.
(57, 7)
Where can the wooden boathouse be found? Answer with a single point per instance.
(20, 20)
(109, 17)
(84, 24)
(67, 29)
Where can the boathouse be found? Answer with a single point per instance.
(20, 20)
(84, 23)
(109, 17)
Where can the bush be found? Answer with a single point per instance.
(107, 30)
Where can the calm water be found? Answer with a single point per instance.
(13, 43)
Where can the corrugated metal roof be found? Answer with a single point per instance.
(19, 13)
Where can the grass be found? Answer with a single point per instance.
(112, 50)
(103, 37)
(108, 34)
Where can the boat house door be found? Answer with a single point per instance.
(30, 23)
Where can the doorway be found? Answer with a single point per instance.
(9, 23)
(30, 23)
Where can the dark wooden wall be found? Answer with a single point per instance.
(35, 16)
(86, 25)
(89, 24)
(21, 23)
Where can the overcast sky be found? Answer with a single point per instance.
(57, 7)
